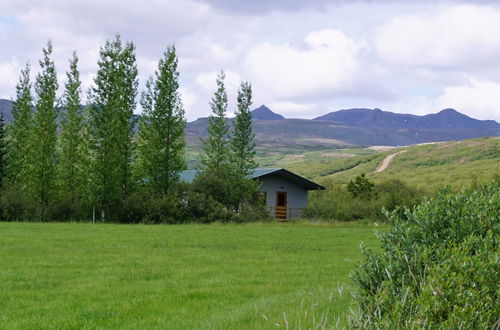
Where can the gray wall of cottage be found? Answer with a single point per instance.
(296, 194)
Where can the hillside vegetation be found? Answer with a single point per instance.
(428, 166)
(357, 188)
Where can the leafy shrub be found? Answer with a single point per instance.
(202, 208)
(253, 212)
(438, 267)
(338, 203)
(361, 187)
(17, 206)
(68, 209)
(216, 184)
(396, 194)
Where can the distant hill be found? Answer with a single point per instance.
(299, 133)
(445, 119)
(264, 113)
(363, 127)
(6, 109)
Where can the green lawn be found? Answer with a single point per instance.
(185, 276)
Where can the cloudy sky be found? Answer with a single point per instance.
(303, 58)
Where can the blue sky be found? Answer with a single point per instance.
(304, 58)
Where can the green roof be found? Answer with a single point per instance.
(189, 175)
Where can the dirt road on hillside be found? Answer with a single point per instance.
(387, 160)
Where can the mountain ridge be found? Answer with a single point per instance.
(264, 113)
(444, 119)
(362, 127)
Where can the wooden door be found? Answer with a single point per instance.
(281, 203)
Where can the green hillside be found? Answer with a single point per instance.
(428, 166)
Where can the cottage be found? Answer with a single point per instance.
(284, 192)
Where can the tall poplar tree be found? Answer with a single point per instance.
(215, 180)
(44, 132)
(3, 152)
(215, 147)
(72, 144)
(243, 146)
(161, 146)
(19, 148)
(112, 102)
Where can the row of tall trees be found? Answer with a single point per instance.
(60, 160)
(229, 158)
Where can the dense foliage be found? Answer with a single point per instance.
(228, 158)
(112, 100)
(19, 151)
(73, 148)
(43, 137)
(438, 267)
(61, 161)
(242, 147)
(160, 140)
(362, 199)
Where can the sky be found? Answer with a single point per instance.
(303, 58)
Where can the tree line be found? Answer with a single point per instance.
(61, 161)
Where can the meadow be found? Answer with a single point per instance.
(259, 275)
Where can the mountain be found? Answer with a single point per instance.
(445, 119)
(363, 127)
(264, 113)
(6, 109)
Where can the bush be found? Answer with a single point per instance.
(396, 194)
(17, 206)
(438, 267)
(253, 212)
(216, 184)
(68, 209)
(361, 187)
(339, 203)
(202, 208)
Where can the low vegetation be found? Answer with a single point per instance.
(429, 167)
(418, 172)
(362, 199)
(76, 275)
(438, 267)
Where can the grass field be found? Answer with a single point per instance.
(185, 276)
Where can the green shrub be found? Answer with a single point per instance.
(361, 187)
(396, 194)
(202, 208)
(340, 204)
(68, 209)
(438, 267)
(17, 206)
(253, 212)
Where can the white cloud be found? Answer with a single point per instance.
(459, 37)
(301, 62)
(9, 71)
(326, 63)
(473, 97)
(479, 99)
(188, 98)
(290, 109)
(208, 80)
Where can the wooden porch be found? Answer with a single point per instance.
(282, 213)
